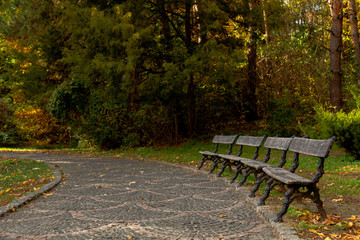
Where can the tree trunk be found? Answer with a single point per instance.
(191, 87)
(165, 26)
(335, 54)
(253, 79)
(266, 22)
(134, 83)
(355, 36)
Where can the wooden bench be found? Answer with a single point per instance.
(256, 167)
(235, 160)
(218, 140)
(293, 182)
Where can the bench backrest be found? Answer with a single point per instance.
(311, 147)
(224, 139)
(279, 143)
(252, 141)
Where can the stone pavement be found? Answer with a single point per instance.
(111, 198)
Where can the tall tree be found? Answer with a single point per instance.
(335, 54)
(191, 86)
(355, 36)
(253, 78)
(266, 21)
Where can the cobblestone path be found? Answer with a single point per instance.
(109, 198)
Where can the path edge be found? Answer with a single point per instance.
(12, 206)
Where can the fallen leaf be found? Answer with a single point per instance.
(337, 200)
(317, 232)
(353, 218)
(36, 188)
(221, 215)
(48, 194)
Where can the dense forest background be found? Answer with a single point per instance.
(146, 72)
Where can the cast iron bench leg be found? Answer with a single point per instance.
(289, 197)
(246, 175)
(216, 161)
(260, 178)
(203, 160)
(270, 184)
(225, 164)
(238, 170)
(319, 203)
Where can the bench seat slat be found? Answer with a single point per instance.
(286, 176)
(208, 153)
(255, 164)
(230, 157)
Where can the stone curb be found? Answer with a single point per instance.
(281, 231)
(33, 195)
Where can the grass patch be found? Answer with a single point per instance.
(20, 176)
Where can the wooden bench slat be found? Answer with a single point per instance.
(255, 164)
(208, 153)
(286, 177)
(225, 139)
(280, 143)
(311, 147)
(231, 157)
(250, 141)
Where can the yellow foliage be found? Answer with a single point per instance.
(37, 125)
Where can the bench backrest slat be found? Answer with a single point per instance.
(280, 143)
(224, 139)
(250, 141)
(312, 147)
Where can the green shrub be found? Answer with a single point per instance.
(345, 126)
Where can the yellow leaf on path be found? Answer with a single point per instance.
(129, 237)
(221, 215)
(36, 188)
(353, 218)
(317, 232)
(337, 200)
(48, 194)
